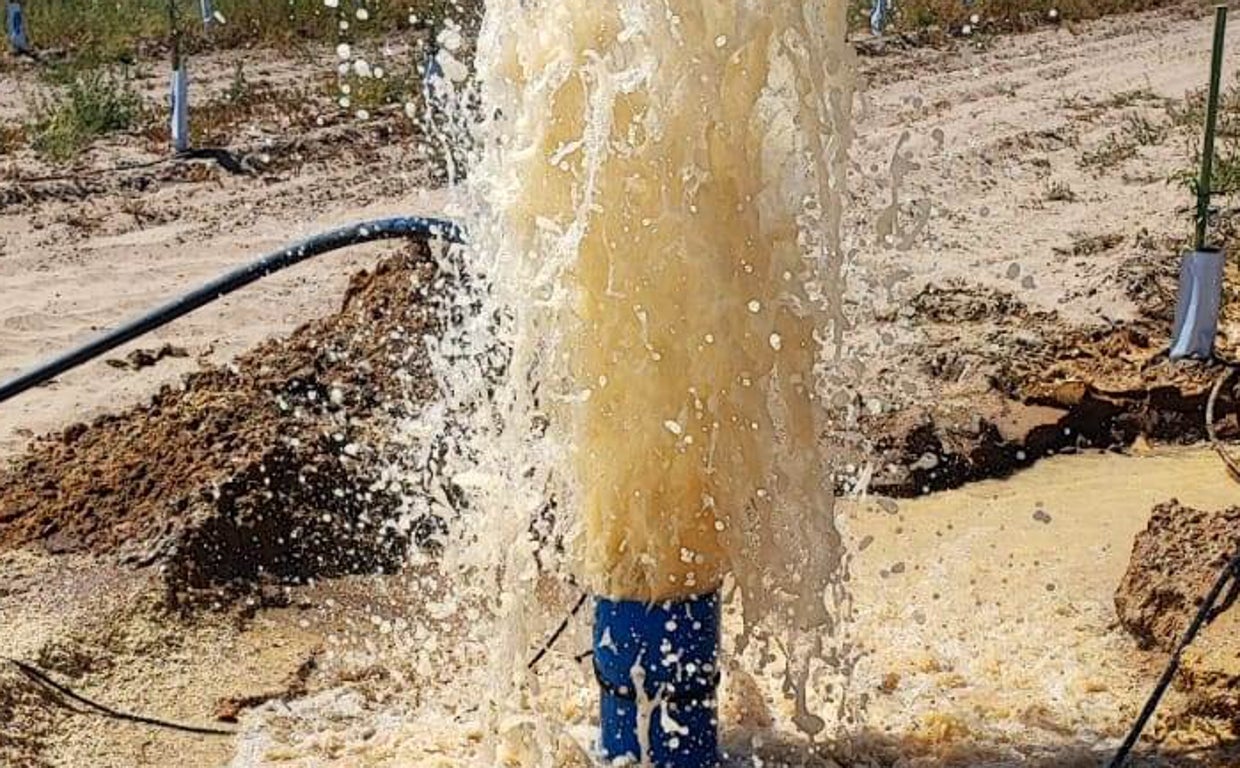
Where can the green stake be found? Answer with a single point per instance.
(1207, 153)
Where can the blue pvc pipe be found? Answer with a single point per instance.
(15, 27)
(675, 646)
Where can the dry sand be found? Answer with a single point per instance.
(77, 260)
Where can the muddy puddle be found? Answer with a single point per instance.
(989, 611)
(988, 632)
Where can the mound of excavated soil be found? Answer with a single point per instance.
(265, 467)
(1175, 561)
(1006, 385)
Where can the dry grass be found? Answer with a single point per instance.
(93, 32)
(913, 15)
(1114, 150)
(12, 138)
(1060, 192)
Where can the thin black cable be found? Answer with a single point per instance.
(555, 636)
(370, 231)
(222, 157)
(1204, 616)
(41, 678)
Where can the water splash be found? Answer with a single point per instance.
(647, 311)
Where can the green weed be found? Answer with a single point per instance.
(93, 104)
(1109, 154)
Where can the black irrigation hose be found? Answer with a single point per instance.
(1205, 615)
(41, 678)
(365, 232)
(555, 636)
(222, 157)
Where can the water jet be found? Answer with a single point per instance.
(668, 197)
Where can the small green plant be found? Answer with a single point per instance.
(1108, 155)
(239, 90)
(1188, 119)
(1060, 192)
(93, 104)
(371, 93)
(1142, 131)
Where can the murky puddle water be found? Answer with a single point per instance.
(986, 616)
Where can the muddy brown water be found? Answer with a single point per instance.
(987, 620)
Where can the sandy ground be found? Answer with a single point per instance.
(986, 130)
(990, 128)
(73, 264)
(993, 127)
(969, 145)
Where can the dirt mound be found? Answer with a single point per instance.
(1175, 561)
(265, 467)
(1005, 385)
(1210, 677)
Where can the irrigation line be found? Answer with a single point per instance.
(1233, 467)
(356, 234)
(39, 677)
(226, 160)
(555, 636)
(1207, 613)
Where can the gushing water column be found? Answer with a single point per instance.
(662, 174)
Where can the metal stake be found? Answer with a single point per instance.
(1207, 153)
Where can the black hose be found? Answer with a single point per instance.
(365, 232)
(1210, 610)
